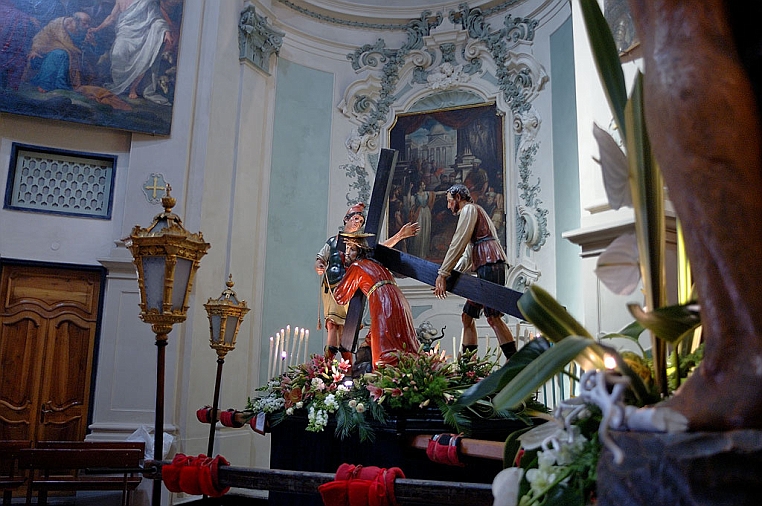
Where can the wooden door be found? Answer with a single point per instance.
(48, 327)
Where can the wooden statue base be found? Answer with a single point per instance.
(698, 468)
(293, 448)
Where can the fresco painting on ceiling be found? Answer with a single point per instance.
(109, 63)
(436, 150)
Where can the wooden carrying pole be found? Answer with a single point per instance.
(406, 491)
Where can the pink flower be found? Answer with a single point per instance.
(375, 392)
(337, 375)
(396, 392)
(344, 365)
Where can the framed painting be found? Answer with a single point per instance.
(436, 150)
(109, 63)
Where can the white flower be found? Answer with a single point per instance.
(318, 418)
(505, 486)
(290, 411)
(330, 403)
(299, 405)
(318, 384)
(360, 407)
(542, 478)
(534, 437)
(618, 267)
(352, 403)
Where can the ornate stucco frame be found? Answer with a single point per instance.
(448, 65)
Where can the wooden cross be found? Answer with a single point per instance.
(478, 290)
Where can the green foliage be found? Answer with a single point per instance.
(321, 388)
(686, 365)
(671, 323)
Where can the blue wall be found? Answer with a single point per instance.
(566, 169)
(296, 221)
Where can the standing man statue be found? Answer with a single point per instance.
(330, 266)
(475, 246)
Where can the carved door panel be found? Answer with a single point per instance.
(20, 372)
(47, 343)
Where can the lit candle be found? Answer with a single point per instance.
(284, 348)
(270, 359)
(275, 354)
(306, 345)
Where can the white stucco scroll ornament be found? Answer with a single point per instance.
(606, 389)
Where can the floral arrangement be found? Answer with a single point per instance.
(321, 389)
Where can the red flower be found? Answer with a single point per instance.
(293, 396)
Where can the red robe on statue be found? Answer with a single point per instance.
(391, 327)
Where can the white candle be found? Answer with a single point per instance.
(284, 349)
(454, 349)
(306, 345)
(270, 360)
(275, 355)
(291, 356)
(299, 345)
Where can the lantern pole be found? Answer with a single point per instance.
(166, 257)
(225, 317)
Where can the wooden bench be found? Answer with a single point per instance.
(63, 469)
(92, 445)
(11, 477)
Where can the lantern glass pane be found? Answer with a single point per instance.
(230, 326)
(182, 278)
(153, 278)
(216, 320)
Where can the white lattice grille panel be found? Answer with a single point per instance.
(58, 182)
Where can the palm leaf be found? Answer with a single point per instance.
(498, 379)
(670, 323)
(550, 317)
(633, 330)
(648, 204)
(606, 60)
(542, 369)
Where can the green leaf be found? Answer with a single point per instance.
(647, 200)
(606, 60)
(670, 323)
(543, 369)
(498, 379)
(633, 330)
(512, 447)
(550, 317)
